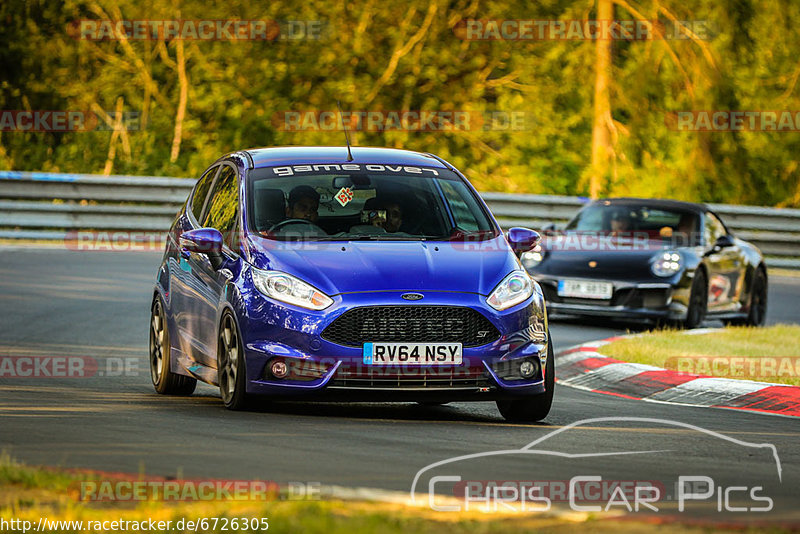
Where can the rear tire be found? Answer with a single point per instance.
(231, 371)
(535, 407)
(698, 301)
(164, 380)
(757, 315)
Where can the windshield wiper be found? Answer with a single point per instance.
(382, 238)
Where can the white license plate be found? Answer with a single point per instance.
(412, 353)
(585, 289)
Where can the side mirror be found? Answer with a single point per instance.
(522, 239)
(549, 228)
(206, 241)
(723, 241)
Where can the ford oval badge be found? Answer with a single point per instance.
(412, 296)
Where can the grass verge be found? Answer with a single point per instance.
(768, 354)
(32, 493)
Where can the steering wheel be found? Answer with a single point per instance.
(287, 222)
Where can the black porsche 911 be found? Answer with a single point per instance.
(652, 259)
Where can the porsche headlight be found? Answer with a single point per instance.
(532, 258)
(666, 263)
(287, 288)
(515, 288)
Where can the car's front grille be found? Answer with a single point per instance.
(629, 297)
(411, 324)
(411, 377)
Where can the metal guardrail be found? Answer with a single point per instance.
(40, 205)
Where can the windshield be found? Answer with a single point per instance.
(636, 219)
(369, 202)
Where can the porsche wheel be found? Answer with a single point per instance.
(536, 407)
(164, 380)
(757, 315)
(758, 300)
(698, 301)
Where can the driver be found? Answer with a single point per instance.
(686, 228)
(303, 203)
(620, 223)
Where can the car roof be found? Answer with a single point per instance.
(654, 203)
(299, 155)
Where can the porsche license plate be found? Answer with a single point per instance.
(585, 289)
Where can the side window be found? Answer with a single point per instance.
(201, 191)
(462, 213)
(223, 204)
(713, 228)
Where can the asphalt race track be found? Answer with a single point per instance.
(96, 305)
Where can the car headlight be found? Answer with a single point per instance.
(666, 263)
(532, 258)
(515, 288)
(287, 288)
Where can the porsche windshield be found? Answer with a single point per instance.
(630, 219)
(407, 205)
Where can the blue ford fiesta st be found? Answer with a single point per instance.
(377, 275)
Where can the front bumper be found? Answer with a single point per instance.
(630, 299)
(330, 371)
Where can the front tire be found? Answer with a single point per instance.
(164, 380)
(535, 407)
(231, 372)
(698, 301)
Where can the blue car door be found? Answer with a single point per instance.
(209, 279)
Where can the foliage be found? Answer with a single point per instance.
(388, 56)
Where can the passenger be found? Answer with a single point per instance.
(394, 214)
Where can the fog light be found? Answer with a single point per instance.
(279, 369)
(527, 369)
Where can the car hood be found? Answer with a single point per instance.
(354, 266)
(599, 257)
